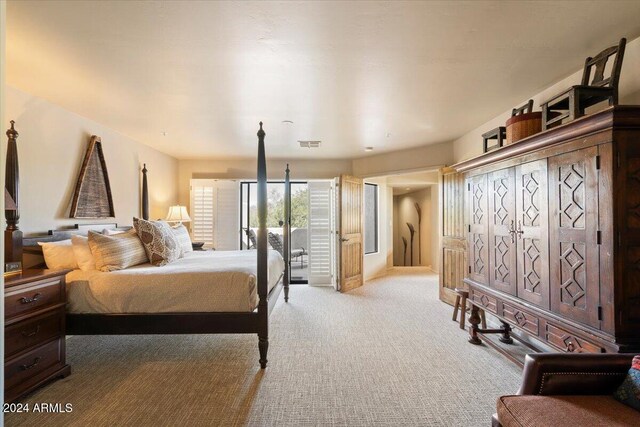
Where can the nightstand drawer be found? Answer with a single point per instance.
(37, 295)
(33, 363)
(28, 333)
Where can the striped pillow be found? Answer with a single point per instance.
(182, 235)
(158, 240)
(117, 252)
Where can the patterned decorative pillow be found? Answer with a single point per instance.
(182, 235)
(629, 391)
(116, 252)
(158, 239)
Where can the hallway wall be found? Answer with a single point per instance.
(404, 211)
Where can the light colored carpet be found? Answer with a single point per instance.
(385, 354)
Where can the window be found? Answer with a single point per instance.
(370, 218)
(214, 213)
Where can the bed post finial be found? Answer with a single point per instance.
(145, 193)
(12, 132)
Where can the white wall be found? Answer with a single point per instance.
(376, 264)
(51, 147)
(414, 159)
(470, 144)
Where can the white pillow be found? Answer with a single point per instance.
(59, 255)
(83, 254)
(182, 235)
(112, 231)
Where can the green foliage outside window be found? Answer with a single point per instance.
(275, 209)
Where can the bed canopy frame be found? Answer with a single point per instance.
(255, 322)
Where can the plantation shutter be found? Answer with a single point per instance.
(202, 211)
(227, 217)
(320, 233)
(215, 213)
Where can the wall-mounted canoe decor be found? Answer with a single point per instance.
(92, 198)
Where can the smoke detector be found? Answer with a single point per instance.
(309, 144)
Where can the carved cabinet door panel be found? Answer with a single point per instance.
(532, 234)
(478, 229)
(502, 231)
(573, 210)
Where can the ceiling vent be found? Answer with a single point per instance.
(309, 144)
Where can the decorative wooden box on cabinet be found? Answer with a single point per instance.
(553, 227)
(34, 331)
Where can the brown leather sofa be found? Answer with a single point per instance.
(564, 389)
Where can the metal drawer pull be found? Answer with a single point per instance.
(35, 362)
(31, 334)
(25, 300)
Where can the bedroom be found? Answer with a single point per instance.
(199, 110)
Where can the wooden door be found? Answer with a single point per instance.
(575, 270)
(453, 238)
(477, 211)
(502, 236)
(532, 230)
(350, 232)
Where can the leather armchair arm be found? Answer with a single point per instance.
(573, 374)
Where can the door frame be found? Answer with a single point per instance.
(243, 236)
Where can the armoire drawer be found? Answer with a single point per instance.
(522, 318)
(566, 341)
(484, 301)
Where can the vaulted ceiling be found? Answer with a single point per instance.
(193, 79)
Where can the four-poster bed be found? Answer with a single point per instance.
(255, 321)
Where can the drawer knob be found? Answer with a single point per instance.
(35, 362)
(31, 334)
(570, 347)
(25, 300)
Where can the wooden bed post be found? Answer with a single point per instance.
(145, 193)
(12, 234)
(287, 233)
(263, 279)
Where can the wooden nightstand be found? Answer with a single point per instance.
(34, 330)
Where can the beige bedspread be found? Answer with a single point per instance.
(206, 281)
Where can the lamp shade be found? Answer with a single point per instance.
(9, 204)
(178, 214)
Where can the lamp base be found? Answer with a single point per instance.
(197, 246)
